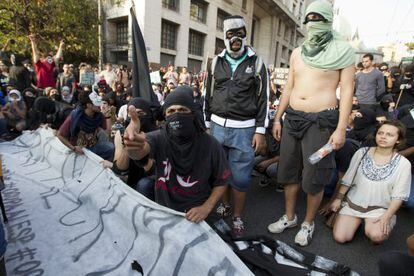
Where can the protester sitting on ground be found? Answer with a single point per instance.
(29, 96)
(139, 177)
(52, 93)
(398, 263)
(15, 111)
(192, 172)
(378, 181)
(86, 127)
(66, 95)
(43, 112)
(45, 65)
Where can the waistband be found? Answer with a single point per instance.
(224, 122)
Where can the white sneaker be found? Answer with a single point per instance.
(283, 223)
(304, 236)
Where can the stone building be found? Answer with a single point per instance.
(187, 32)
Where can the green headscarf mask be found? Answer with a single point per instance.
(324, 48)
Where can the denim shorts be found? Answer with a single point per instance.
(237, 143)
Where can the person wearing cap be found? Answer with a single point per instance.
(312, 117)
(15, 111)
(86, 127)
(236, 107)
(192, 172)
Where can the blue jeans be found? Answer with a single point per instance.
(146, 186)
(237, 143)
(104, 150)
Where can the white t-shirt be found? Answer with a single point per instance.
(109, 76)
(123, 112)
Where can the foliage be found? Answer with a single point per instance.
(410, 46)
(75, 21)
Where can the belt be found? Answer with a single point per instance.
(362, 209)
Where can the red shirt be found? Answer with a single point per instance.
(44, 73)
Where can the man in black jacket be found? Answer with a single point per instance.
(236, 108)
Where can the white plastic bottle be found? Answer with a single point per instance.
(320, 153)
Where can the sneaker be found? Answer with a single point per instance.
(223, 210)
(304, 236)
(238, 227)
(264, 182)
(283, 223)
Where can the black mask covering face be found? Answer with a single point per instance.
(180, 127)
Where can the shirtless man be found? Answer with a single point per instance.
(312, 117)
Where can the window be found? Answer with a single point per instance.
(198, 11)
(219, 46)
(286, 35)
(279, 27)
(121, 57)
(221, 15)
(196, 43)
(167, 59)
(171, 4)
(168, 35)
(122, 33)
(194, 65)
(292, 37)
(255, 25)
(294, 9)
(244, 4)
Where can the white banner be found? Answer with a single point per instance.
(70, 216)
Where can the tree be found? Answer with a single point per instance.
(52, 20)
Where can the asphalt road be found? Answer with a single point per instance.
(265, 205)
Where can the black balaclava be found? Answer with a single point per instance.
(147, 121)
(363, 126)
(182, 131)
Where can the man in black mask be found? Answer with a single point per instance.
(407, 86)
(191, 169)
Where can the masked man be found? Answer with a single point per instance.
(312, 116)
(237, 92)
(191, 168)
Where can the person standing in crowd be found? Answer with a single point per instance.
(45, 65)
(378, 181)
(185, 77)
(236, 108)
(108, 75)
(312, 117)
(66, 78)
(369, 84)
(171, 76)
(19, 76)
(123, 76)
(192, 172)
(406, 89)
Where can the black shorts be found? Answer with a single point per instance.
(294, 166)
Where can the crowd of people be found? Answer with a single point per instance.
(214, 130)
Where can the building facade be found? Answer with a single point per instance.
(189, 32)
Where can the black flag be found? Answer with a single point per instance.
(141, 82)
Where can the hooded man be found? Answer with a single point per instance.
(237, 92)
(191, 168)
(312, 116)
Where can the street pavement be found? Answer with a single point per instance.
(264, 205)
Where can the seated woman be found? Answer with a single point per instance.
(381, 179)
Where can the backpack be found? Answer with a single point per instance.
(258, 68)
